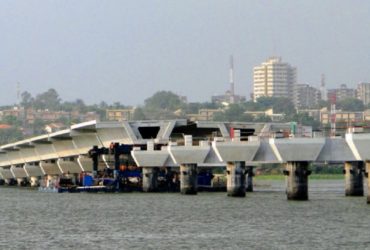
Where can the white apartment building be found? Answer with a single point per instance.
(274, 78)
(363, 92)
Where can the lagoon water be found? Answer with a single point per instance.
(263, 220)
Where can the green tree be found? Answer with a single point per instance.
(27, 99)
(38, 126)
(139, 114)
(194, 107)
(11, 120)
(10, 135)
(278, 104)
(305, 119)
(165, 100)
(351, 104)
(234, 112)
(48, 100)
(262, 118)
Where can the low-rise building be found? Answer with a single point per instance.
(269, 113)
(53, 127)
(228, 98)
(119, 114)
(343, 118)
(203, 115)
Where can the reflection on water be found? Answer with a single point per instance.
(262, 220)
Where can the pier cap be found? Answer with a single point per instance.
(189, 154)
(235, 150)
(360, 145)
(150, 158)
(297, 149)
(336, 150)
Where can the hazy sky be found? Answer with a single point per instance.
(127, 50)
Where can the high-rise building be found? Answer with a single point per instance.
(274, 78)
(306, 96)
(363, 92)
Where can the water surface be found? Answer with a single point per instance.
(262, 220)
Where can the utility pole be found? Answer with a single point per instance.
(333, 112)
(18, 94)
(232, 87)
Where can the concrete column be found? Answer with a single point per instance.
(296, 180)
(368, 181)
(188, 178)
(34, 181)
(150, 179)
(236, 179)
(353, 172)
(249, 179)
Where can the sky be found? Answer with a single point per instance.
(126, 51)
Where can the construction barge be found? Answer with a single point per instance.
(124, 177)
(99, 156)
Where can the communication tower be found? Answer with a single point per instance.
(232, 88)
(18, 93)
(322, 88)
(333, 100)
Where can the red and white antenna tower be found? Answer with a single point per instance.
(333, 112)
(323, 88)
(232, 85)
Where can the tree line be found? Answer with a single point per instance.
(165, 105)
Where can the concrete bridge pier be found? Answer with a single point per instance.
(150, 179)
(236, 179)
(368, 180)
(353, 172)
(51, 172)
(249, 179)
(297, 180)
(34, 181)
(188, 178)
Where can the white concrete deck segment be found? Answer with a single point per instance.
(33, 170)
(115, 132)
(45, 150)
(4, 160)
(29, 154)
(235, 151)
(166, 130)
(6, 173)
(85, 141)
(18, 172)
(68, 166)
(151, 158)
(14, 156)
(297, 149)
(188, 154)
(85, 163)
(65, 147)
(50, 168)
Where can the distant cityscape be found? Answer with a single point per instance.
(276, 97)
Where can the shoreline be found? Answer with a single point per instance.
(311, 177)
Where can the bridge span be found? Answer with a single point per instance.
(188, 146)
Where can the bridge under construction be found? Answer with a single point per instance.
(186, 147)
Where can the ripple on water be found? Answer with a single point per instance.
(262, 220)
